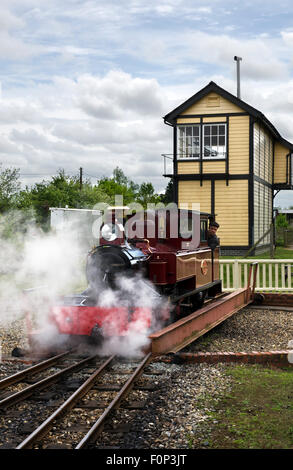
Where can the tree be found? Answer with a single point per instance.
(169, 193)
(9, 187)
(61, 191)
(119, 177)
(281, 221)
(118, 185)
(147, 195)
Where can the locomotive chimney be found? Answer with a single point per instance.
(238, 59)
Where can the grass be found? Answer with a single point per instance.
(258, 411)
(280, 253)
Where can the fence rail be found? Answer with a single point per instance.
(272, 274)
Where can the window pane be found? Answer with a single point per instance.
(181, 131)
(214, 145)
(188, 142)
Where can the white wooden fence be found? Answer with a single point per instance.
(272, 274)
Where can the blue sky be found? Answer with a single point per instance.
(86, 83)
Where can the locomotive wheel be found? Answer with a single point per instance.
(198, 300)
(97, 335)
(174, 315)
(190, 304)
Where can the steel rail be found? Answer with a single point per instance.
(18, 376)
(44, 428)
(28, 391)
(98, 426)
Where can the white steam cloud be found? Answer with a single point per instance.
(137, 293)
(36, 268)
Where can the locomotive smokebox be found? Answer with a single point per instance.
(106, 262)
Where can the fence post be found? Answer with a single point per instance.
(236, 274)
(272, 246)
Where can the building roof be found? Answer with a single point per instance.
(171, 117)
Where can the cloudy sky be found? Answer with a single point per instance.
(85, 83)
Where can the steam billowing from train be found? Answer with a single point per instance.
(36, 268)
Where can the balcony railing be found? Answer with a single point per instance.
(168, 163)
(208, 156)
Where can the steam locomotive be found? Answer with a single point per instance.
(148, 269)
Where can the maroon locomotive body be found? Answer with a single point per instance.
(167, 251)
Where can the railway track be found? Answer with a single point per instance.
(69, 384)
(83, 396)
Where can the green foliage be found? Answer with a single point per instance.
(281, 221)
(146, 195)
(9, 187)
(169, 193)
(119, 184)
(63, 190)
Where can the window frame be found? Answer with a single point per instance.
(223, 155)
(201, 137)
(184, 156)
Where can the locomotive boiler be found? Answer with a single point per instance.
(165, 251)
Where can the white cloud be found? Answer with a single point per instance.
(86, 83)
(258, 54)
(96, 122)
(119, 94)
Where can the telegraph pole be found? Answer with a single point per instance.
(80, 178)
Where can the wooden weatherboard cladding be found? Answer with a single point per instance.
(229, 158)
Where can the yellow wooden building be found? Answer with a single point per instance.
(229, 158)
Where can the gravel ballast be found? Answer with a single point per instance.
(248, 330)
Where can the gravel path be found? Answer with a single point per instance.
(177, 412)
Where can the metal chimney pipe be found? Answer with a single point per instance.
(238, 59)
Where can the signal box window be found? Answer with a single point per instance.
(214, 141)
(188, 142)
(213, 137)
